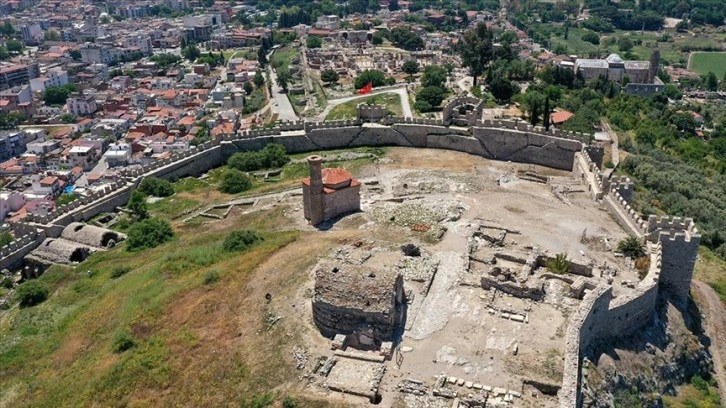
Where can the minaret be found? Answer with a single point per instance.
(316, 189)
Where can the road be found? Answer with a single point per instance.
(714, 314)
(402, 93)
(280, 102)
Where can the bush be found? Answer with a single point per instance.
(119, 271)
(137, 205)
(240, 240)
(559, 264)
(211, 277)
(591, 37)
(235, 181)
(289, 402)
(7, 282)
(32, 293)
(631, 247)
(156, 187)
(122, 341)
(422, 106)
(148, 233)
(272, 156)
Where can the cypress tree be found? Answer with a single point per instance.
(547, 114)
(533, 115)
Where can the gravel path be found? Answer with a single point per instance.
(438, 306)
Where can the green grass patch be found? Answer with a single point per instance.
(349, 110)
(710, 270)
(282, 58)
(705, 62)
(106, 342)
(171, 207)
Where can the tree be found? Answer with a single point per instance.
(711, 81)
(137, 205)
(631, 247)
(434, 75)
(534, 113)
(314, 41)
(51, 35)
(76, 55)
(6, 28)
(234, 182)
(431, 94)
(591, 37)
(547, 114)
(476, 50)
(68, 118)
(57, 95)
(262, 56)
(393, 5)
(191, 52)
(258, 79)
(407, 39)
(248, 87)
(283, 80)
(625, 44)
(559, 264)
(503, 89)
(14, 46)
(5, 238)
(410, 67)
(32, 293)
(377, 38)
(373, 76)
(271, 156)
(148, 233)
(422, 106)
(330, 76)
(156, 187)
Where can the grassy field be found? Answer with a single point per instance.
(282, 58)
(348, 110)
(705, 62)
(671, 50)
(710, 269)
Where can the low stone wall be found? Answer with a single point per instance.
(11, 255)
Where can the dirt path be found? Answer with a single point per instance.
(715, 326)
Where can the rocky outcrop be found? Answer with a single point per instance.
(650, 364)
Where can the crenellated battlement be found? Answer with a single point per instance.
(668, 223)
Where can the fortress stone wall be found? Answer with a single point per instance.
(673, 246)
(673, 241)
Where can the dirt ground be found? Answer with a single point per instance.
(450, 330)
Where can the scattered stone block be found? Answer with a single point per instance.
(452, 380)
(499, 391)
(460, 382)
(339, 342)
(469, 384)
(477, 386)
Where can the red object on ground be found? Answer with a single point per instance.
(366, 89)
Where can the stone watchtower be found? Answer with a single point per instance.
(680, 239)
(313, 201)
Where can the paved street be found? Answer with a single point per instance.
(280, 102)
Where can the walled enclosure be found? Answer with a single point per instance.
(677, 240)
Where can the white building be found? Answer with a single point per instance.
(10, 202)
(55, 77)
(81, 105)
(118, 154)
(142, 42)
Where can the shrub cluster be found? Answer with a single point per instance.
(148, 233)
(272, 156)
(235, 181)
(32, 293)
(153, 186)
(240, 240)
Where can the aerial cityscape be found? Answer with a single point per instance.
(404, 204)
